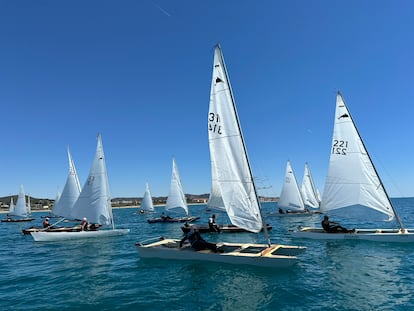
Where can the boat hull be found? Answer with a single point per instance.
(223, 229)
(169, 220)
(44, 236)
(377, 235)
(17, 220)
(277, 256)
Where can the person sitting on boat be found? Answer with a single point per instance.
(333, 227)
(197, 242)
(212, 224)
(165, 217)
(84, 224)
(46, 223)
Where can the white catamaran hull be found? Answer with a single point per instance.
(43, 236)
(277, 256)
(377, 235)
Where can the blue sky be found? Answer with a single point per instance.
(139, 73)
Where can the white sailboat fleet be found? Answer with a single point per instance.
(235, 184)
(294, 200)
(93, 203)
(353, 182)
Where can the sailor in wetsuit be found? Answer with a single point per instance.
(333, 227)
(197, 242)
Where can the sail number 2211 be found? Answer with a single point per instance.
(339, 147)
(214, 123)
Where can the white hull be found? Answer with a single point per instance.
(43, 236)
(278, 256)
(295, 214)
(377, 235)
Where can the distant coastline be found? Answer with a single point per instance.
(46, 205)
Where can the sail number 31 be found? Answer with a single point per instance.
(339, 147)
(214, 123)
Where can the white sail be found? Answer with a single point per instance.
(21, 208)
(176, 197)
(146, 203)
(352, 178)
(309, 191)
(28, 206)
(215, 199)
(11, 207)
(290, 196)
(230, 167)
(63, 206)
(94, 201)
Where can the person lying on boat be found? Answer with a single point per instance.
(212, 224)
(165, 217)
(333, 227)
(197, 242)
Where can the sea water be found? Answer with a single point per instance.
(107, 274)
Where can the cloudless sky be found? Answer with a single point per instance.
(139, 72)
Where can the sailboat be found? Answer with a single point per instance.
(235, 182)
(64, 201)
(20, 212)
(291, 200)
(93, 203)
(176, 199)
(310, 193)
(353, 182)
(147, 204)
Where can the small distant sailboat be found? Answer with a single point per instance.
(235, 183)
(291, 200)
(147, 204)
(20, 212)
(310, 193)
(94, 203)
(176, 199)
(353, 183)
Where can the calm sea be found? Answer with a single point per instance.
(108, 274)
